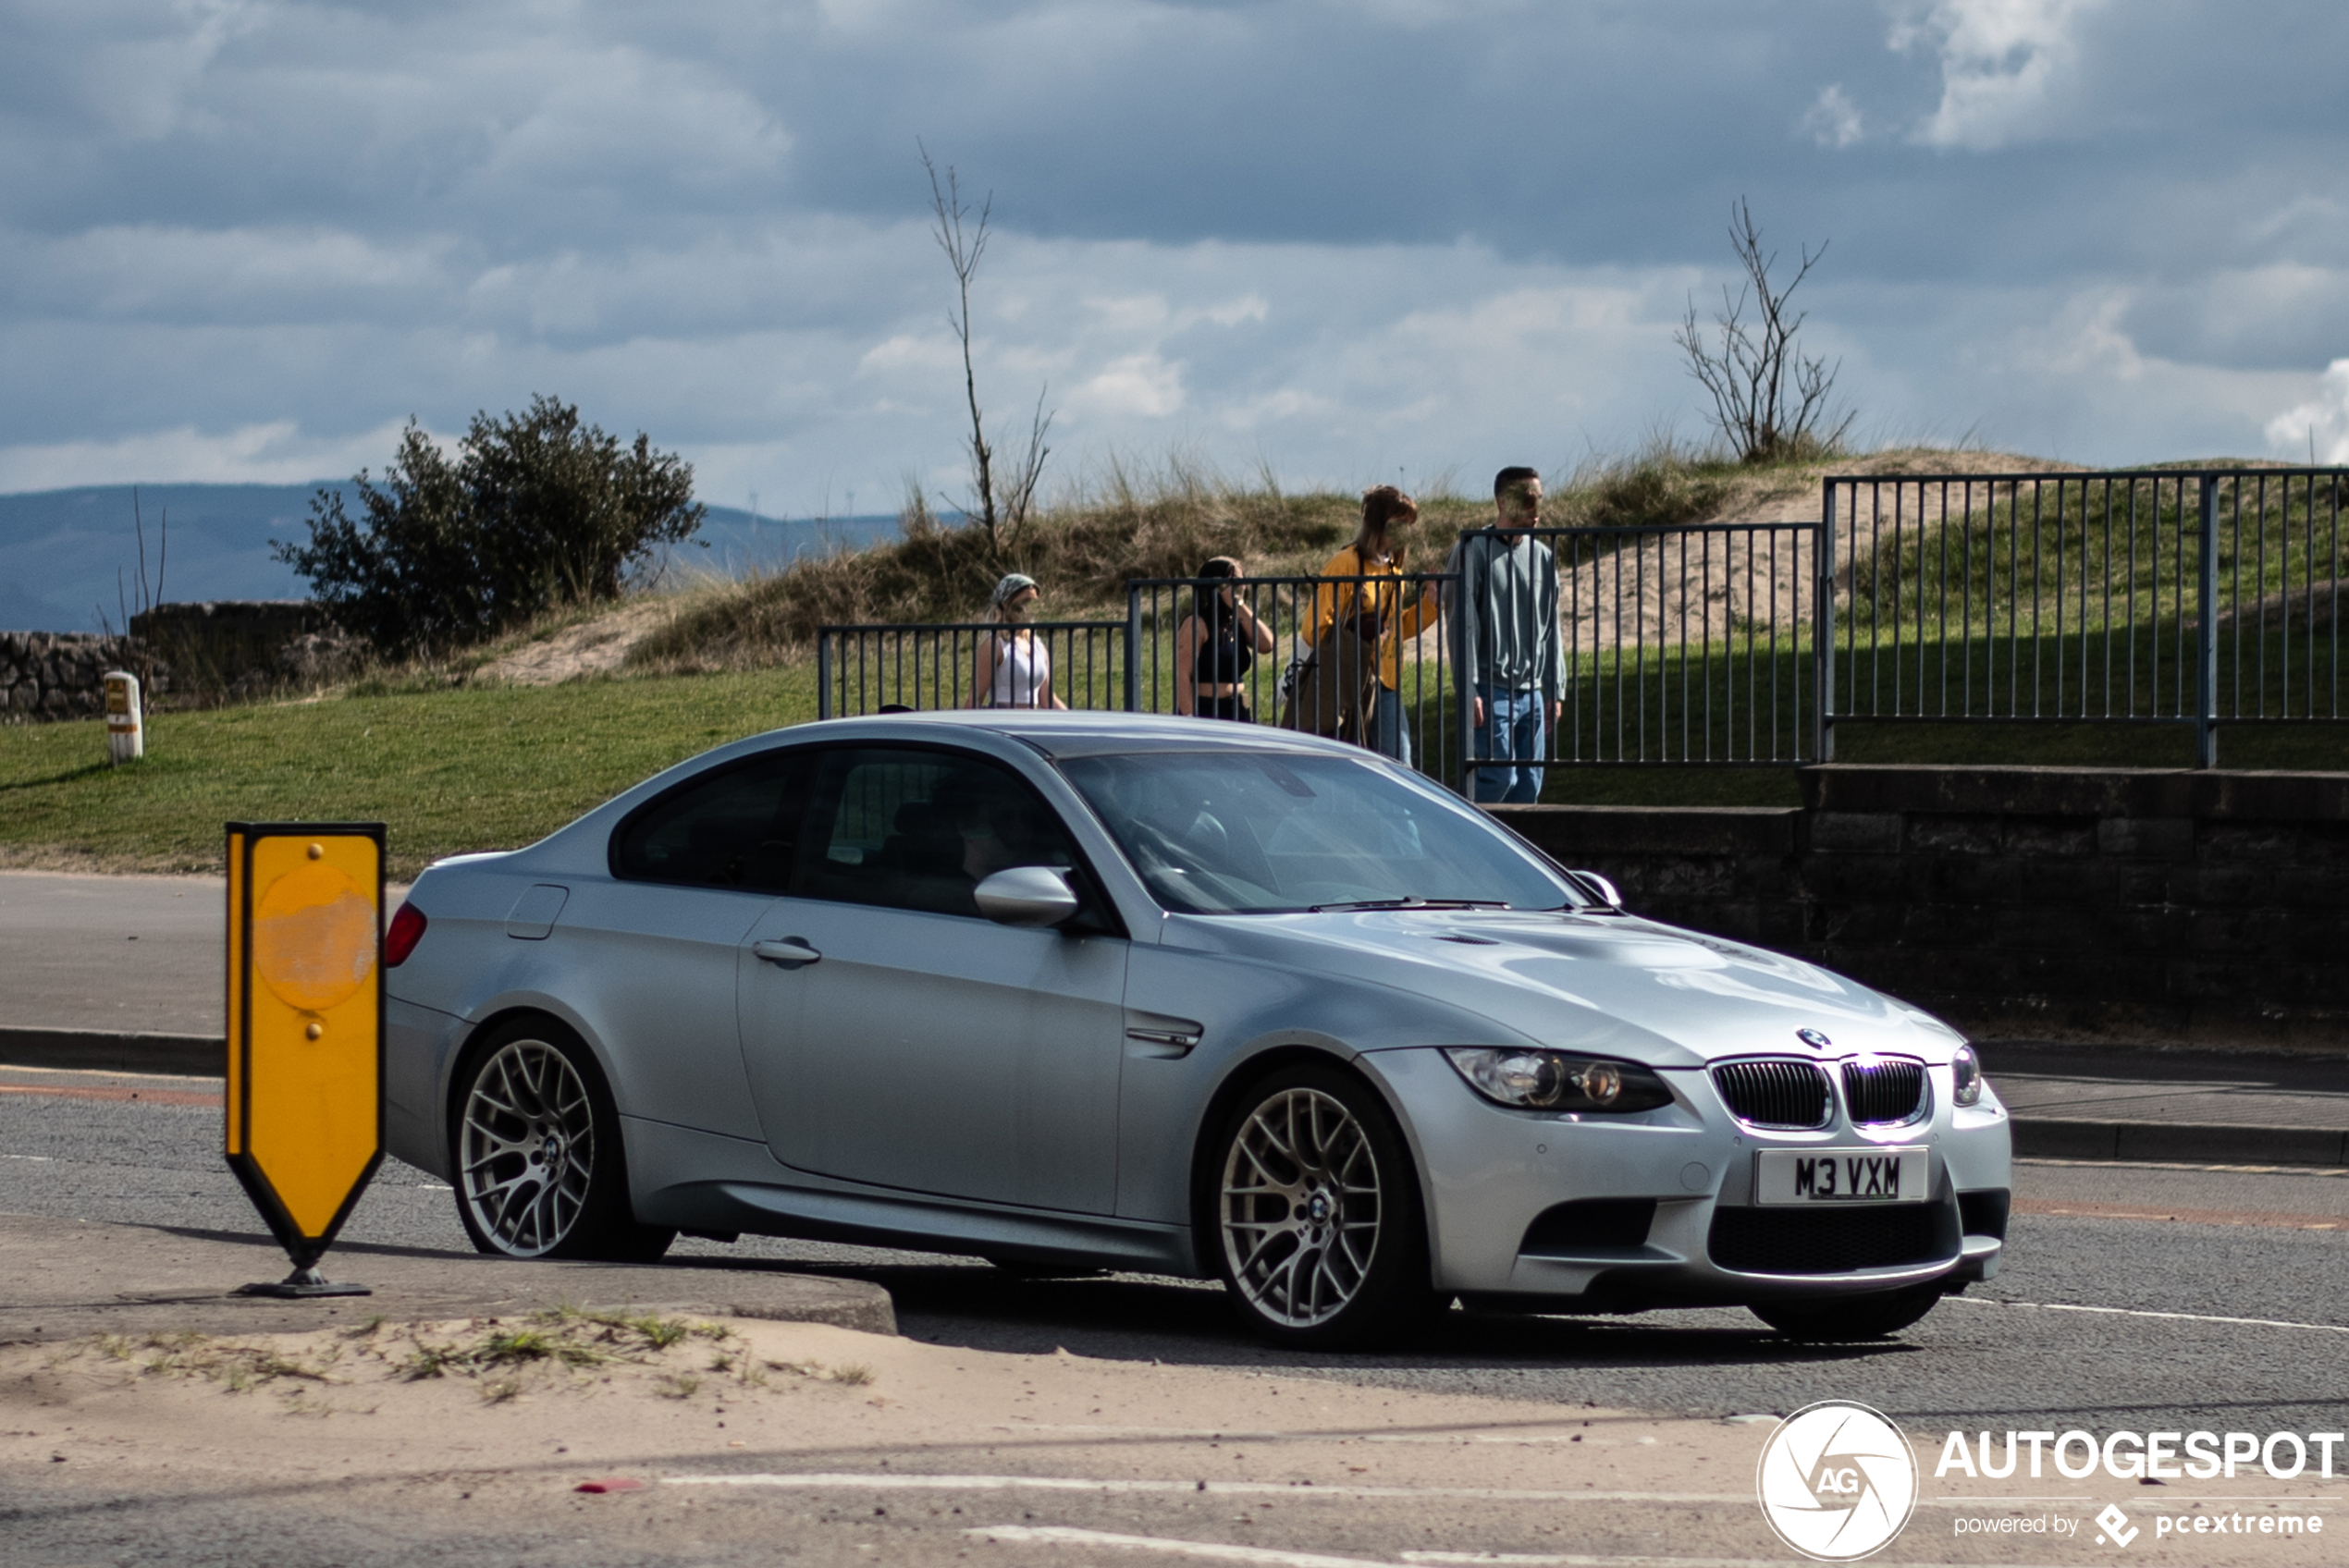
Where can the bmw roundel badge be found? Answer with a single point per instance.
(1813, 1039)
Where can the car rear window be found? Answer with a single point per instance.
(734, 827)
(1231, 832)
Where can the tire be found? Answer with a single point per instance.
(534, 1140)
(1312, 1212)
(1853, 1317)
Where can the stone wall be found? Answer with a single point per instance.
(2024, 902)
(55, 674)
(246, 647)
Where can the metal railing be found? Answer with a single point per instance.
(1361, 658)
(2199, 596)
(2195, 597)
(1684, 643)
(862, 669)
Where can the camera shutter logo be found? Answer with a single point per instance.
(1837, 1481)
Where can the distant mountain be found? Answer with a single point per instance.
(60, 549)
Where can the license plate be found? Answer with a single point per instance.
(1808, 1176)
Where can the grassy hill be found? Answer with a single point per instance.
(461, 756)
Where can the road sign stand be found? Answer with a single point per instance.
(304, 1101)
(303, 1283)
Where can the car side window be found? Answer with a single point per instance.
(919, 829)
(738, 827)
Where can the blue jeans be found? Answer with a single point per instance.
(1389, 735)
(1516, 726)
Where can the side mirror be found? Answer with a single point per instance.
(1602, 886)
(1027, 895)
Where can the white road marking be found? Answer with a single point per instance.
(1061, 1535)
(2134, 1312)
(885, 1482)
(1276, 1557)
(1568, 1560)
(2333, 1171)
(1232, 1435)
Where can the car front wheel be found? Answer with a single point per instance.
(1317, 1223)
(539, 1172)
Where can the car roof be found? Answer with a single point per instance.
(1077, 734)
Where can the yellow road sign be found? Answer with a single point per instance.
(305, 1027)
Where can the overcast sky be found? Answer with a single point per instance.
(244, 240)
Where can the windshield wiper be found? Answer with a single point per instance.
(1411, 901)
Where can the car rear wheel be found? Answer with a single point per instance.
(1852, 1318)
(1317, 1224)
(540, 1171)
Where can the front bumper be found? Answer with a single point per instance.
(1549, 1212)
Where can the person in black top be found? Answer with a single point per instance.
(1216, 644)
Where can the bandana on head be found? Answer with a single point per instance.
(1013, 584)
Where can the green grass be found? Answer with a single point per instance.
(493, 768)
(451, 767)
(447, 770)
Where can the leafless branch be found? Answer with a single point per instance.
(1019, 486)
(963, 242)
(1770, 400)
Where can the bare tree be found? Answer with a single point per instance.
(1004, 500)
(1768, 399)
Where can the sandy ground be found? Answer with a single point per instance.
(1699, 587)
(1755, 578)
(589, 648)
(758, 1441)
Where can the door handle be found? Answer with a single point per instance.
(791, 952)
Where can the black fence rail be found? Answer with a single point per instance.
(862, 669)
(2201, 597)
(1678, 645)
(2197, 597)
(1362, 658)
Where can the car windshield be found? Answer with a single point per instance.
(1259, 832)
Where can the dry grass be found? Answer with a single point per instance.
(1127, 522)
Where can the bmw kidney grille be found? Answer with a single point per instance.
(1884, 1091)
(1774, 1093)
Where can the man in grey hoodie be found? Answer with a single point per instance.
(1506, 640)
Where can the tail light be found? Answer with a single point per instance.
(407, 930)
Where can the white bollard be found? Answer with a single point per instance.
(126, 730)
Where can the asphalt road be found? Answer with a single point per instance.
(2111, 1313)
(111, 953)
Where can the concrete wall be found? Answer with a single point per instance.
(2026, 903)
(54, 675)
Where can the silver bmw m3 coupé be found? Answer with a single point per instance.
(1177, 996)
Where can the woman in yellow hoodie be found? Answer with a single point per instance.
(1375, 613)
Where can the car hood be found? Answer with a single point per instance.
(1613, 984)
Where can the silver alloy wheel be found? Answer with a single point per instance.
(528, 1147)
(1300, 1207)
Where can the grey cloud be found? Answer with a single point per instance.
(704, 219)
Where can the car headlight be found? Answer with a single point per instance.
(1965, 1073)
(1537, 1080)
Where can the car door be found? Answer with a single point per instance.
(896, 1037)
(655, 945)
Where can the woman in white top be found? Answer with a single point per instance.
(1014, 669)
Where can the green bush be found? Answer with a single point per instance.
(535, 512)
